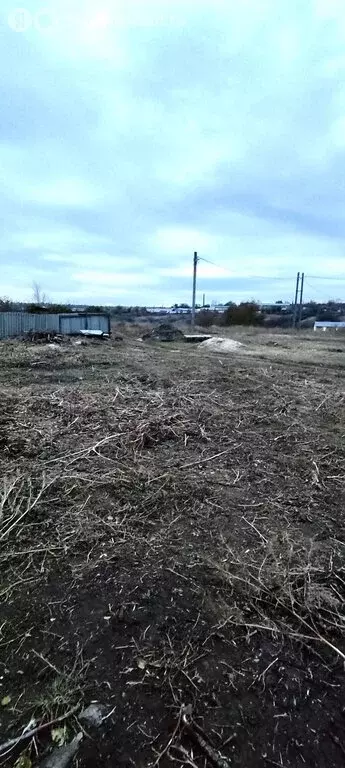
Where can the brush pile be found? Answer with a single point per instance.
(164, 332)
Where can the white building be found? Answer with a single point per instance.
(324, 324)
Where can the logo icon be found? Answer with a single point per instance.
(20, 20)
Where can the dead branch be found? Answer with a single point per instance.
(11, 743)
(214, 757)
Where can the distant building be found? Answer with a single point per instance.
(158, 310)
(324, 324)
(276, 307)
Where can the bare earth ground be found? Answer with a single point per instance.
(173, 547)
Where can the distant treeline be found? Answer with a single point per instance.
(245, 313)
(251, 313)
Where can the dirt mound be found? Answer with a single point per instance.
(219, 344)
(164, 332)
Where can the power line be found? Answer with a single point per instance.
(240, 277)
(270, 278)
(321, 293)
(325, 277)
(251, 277)
(313, 288)
(200, 258)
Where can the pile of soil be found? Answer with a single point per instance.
(164, 332)
(219, 344)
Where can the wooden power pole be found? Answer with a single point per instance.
(300, 311)
(294, 317)
(195, 264)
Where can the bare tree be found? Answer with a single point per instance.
(5, 304)
(38, 296)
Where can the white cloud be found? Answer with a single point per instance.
(106, 261)
(61, 241)
(338, 132)
(329, 9)
(120, 279)
(176, 241)
(206, 271)
(66, 192)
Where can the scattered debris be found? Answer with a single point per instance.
(196, 338)
(23, 761)
(164, 332)
(29, 733)
(201, 740)
(52, 346)
(186, 551)
(41, 337)
(220, 344)
(93, 334)
(93, 715)
(59, 735)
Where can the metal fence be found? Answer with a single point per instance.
(73, 324)
(19, 323)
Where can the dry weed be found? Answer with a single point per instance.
(288, 586)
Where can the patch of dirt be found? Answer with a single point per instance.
(172, 546)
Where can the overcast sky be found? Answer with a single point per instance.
(133, 132)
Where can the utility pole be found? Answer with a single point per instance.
(294, 317)
(195, 263)
(301, 302)
(203, 299)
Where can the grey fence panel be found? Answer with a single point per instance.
(72, 324)
(18, 323)
(98, 323)
(42, 322)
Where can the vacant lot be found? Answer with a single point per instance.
(172, 530)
